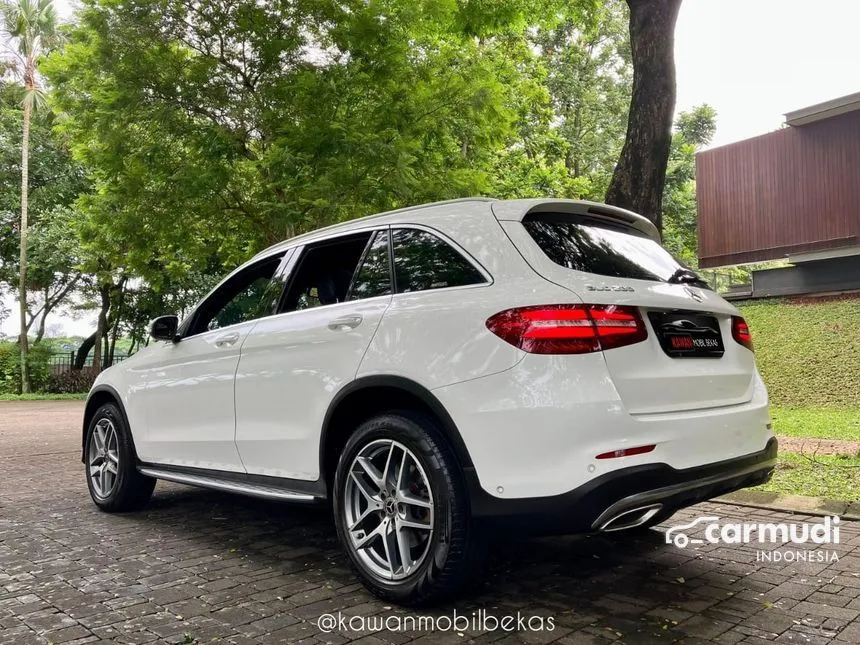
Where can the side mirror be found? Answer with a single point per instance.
(164, 328)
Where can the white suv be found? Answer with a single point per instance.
(433, 371)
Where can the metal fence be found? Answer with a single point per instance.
(62, 362)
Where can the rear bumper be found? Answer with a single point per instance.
(598, 504)
(533, 431)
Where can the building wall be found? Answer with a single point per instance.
(791, 191)
(819, 276)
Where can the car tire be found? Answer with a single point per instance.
(110, 461)
(442, 559)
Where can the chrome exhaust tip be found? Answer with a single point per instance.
(630, 519)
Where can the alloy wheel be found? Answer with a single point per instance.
(388, 509)
(103, 458)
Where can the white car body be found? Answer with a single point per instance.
(256, 400)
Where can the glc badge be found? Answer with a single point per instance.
(610, 287)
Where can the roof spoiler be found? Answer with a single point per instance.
(516, 210)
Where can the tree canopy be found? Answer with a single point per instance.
(184, 136)
(231, 125)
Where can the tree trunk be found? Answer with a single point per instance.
(40, 331)
(22, 276)
(637, 183)
(112, 347)
(115, 328)
(50, 303)
(101, 328)
(84, 351)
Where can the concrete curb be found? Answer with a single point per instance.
(793, 504)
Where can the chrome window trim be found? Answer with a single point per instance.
(292, 255)
(488, 279)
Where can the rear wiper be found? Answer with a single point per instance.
(687, 276)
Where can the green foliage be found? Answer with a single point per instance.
(72, 381)
(571, 104)
(827, 476)
(817, 423)
(211, 130)
(10, 367)
(808, 351)
(226, 126)
(56, 181)
(29, 29)
(589, 76)
(142, 304)
(824, 476)
(693, 130)
(31, 23)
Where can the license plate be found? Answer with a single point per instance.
(687, 334)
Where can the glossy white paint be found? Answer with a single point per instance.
(180, 399)
(292, 366)
(440, 337)
(532, 424)
(535, 429)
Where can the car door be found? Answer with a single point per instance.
(292, 364)
(185, 388)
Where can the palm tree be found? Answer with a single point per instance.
(32, 26)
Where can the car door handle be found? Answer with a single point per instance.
(345, 322)
(226, 340)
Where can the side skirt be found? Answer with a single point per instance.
(291, 490)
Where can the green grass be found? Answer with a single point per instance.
(42, 397)
(818, 423)
(808, 351)
(831, 477)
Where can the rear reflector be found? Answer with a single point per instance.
(626, 452)
(741, 332)
(568, 329)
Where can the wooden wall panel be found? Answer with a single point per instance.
(791, 191)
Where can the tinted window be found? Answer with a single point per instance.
(593, 247)
(325, 271)
(248, 295)
(423, 261)
(249, 304)
(374, 274)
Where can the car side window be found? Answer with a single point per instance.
(374, 275)
(248, 304)
(250, 294)
(325, 271)
(424, 261)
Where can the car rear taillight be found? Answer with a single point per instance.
(741, 332)
(568, 329)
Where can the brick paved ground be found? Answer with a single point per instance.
(198, 566)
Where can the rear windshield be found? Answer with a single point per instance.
(595, 247)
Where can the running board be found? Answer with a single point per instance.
(242, 488)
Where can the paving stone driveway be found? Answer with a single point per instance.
(198, 566)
